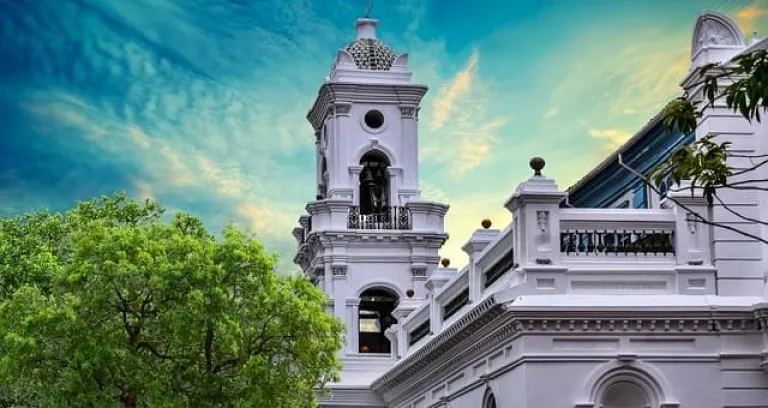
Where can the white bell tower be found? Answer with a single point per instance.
(368, 240)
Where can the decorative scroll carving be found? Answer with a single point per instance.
(542, 220)
(339, 109)
(339, 270)
(408, 111)
(713, 29)
(691, 222)
(419, 271)
(761, 318)
(715, 33)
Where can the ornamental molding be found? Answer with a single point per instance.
(473, 321)
(419, 271)
(715, 30)
(761, 317)
(484, 332)
(343, 238)
(341, 109)
(408, 112)
(339, 270)
(352, 93)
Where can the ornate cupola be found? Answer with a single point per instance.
(368, 60)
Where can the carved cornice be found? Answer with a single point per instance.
(761, 317)
(339, 271)
(419, 271)
(408, 112)
(330, 93)
(478, 334)
(481, 314)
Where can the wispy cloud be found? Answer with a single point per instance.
(452, 93)
(613, 138)
(747, 17)
(462, 131)
(202, 107)
(550, 113)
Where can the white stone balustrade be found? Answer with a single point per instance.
(573, 250)
(329, 214)
(427, 216)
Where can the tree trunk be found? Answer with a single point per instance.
(128, 400)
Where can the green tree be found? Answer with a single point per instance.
(740, 85)
(108, 305)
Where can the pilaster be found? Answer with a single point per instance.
(535, 206)
(474, 246)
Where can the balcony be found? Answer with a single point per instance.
(390, 218)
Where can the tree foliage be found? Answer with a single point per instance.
(740, 85)
(110, 305)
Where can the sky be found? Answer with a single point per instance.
(201, 104)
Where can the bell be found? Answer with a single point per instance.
(368, 177)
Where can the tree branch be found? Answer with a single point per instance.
(747, 156)
(698, 217)
(207, 347)
(147, 346)
(747, 170)
(732, 211)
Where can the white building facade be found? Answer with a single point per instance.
(565, 307)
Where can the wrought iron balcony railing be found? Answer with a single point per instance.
(607, 242)
(389, 218)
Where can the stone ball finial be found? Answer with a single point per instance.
(537, 164)
(445, 262)
(486, 223)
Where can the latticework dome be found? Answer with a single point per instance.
(371, 54)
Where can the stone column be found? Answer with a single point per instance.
(436, 280)
(535, 206)
(353, 325)
(695, 273)
(474, 247)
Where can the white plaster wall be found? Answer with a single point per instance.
(740, 260)
(702, 381)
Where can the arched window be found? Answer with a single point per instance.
(374, 183)
(489, 401)
(322, 190)
(375, 317)
(625, 394)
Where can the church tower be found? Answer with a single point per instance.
(368, 240)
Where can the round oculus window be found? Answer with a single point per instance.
(374, 119)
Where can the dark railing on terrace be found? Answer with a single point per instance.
(418, 333)
(389, 218)
(607, 242)
(498, 269)
(455, 304)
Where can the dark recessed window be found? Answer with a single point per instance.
(374, 119)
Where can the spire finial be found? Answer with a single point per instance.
(368, 9)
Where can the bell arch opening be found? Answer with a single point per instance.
(374, 318)
(374, 183)
(322, 187)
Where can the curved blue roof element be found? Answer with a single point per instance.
(609, 181)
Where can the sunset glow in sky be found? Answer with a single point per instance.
(200, 104)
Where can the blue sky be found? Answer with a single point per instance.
(200, 104)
